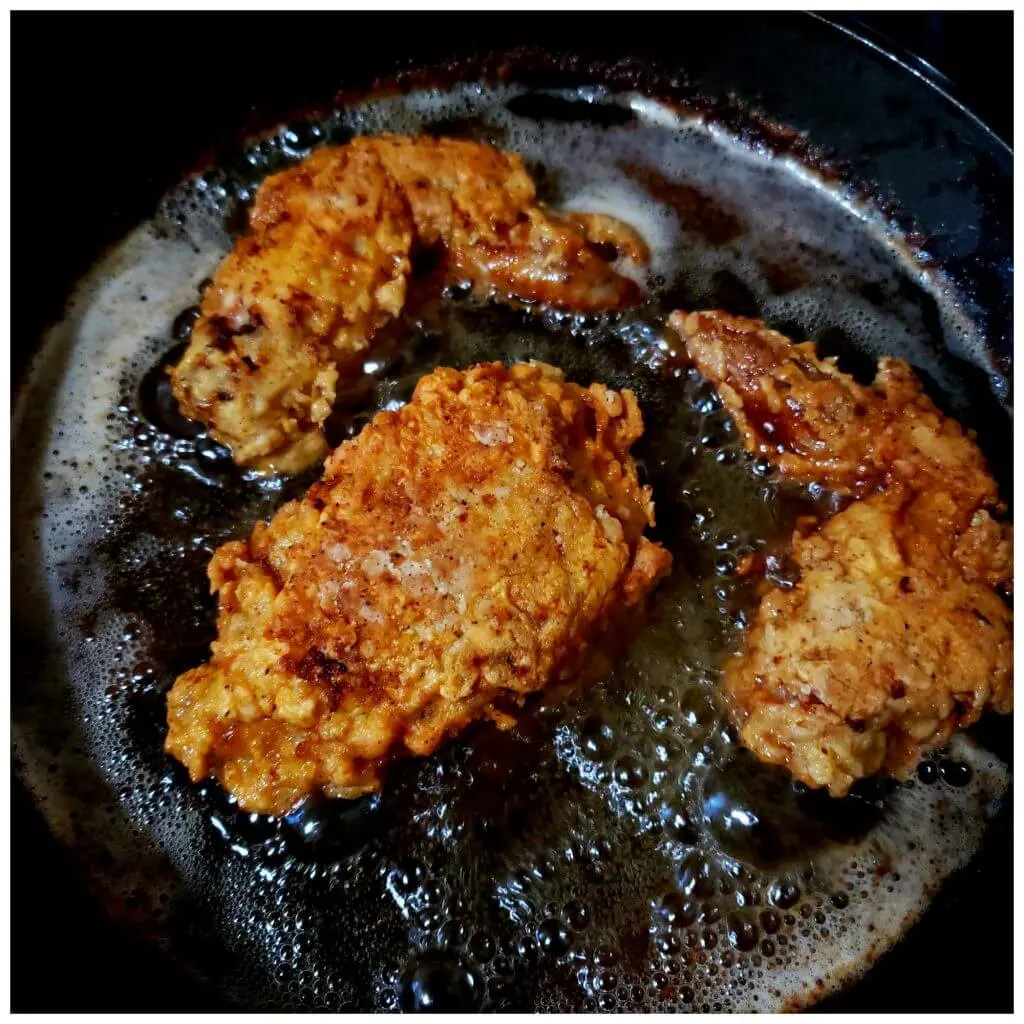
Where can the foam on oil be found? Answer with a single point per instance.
(617, 850)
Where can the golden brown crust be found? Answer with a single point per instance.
(880, 650)
(461, 553)
(293, 305)
(895, 633)
(301, 298)
(818, 424)
(479, 204)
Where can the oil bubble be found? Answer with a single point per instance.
(436, 982)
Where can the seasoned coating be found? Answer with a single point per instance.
(479, 204)
(894, 633)
(817, 424)
(294, 304)
(326, 267)
(459, 554)
(880, 650)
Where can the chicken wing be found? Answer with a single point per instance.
(895, 633)
(459, 554)
(326, 266)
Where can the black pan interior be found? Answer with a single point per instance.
(164, 119)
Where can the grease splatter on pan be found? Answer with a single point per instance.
(615, 851)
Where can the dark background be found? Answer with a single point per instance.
(184, 70)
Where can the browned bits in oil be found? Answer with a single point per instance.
(502, 871)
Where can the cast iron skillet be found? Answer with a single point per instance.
(110, 111)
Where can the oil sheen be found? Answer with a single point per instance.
(617, 850)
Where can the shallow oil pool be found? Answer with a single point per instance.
(616, 851)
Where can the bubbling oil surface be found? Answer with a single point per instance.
(617, 850)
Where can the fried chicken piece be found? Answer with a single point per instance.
(472, 548)
(895, 633)
(880, 650)
(326, 267)
(480, 205)
(817, 424)
(293, 305)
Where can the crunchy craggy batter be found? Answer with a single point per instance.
(326, 267)
(895, 633)
(818, 425)
(323, 270)
(460, 554)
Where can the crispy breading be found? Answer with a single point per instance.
(459, 554)
(880, 650)
(480, 205)
(817, 424)
(326, 267)
(895, 633)
(293, 305)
